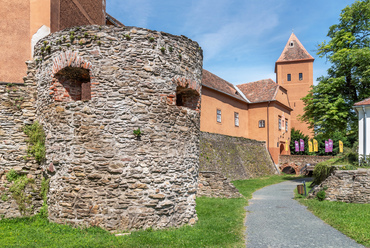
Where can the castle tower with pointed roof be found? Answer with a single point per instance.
(294, 71)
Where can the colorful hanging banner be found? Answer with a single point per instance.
(296, 146)
(330, 145)
(301, 141)
(340, 146)
(286, 145)
(326, 146)
(315, 146)
(310, 146)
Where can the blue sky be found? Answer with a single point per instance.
(241, 40)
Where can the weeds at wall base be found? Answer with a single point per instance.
(36, 141)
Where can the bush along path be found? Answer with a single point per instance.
(275, 219)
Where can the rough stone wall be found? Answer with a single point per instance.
(351, 186)
(213, 184)
(17, 111)
(234, 157)
(101, 174)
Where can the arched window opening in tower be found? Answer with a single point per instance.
(187, 97)
(76, 83)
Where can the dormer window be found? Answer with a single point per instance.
(291, 43)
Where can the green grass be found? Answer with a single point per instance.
(220, 224)
(352, 219)
(247, 187)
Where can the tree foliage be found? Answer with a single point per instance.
(296, 135)
(328, 106)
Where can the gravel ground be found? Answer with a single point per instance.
(274, 219)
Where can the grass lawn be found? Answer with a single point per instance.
(351, 219)
(221, 224)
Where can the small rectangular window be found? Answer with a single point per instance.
(286, 125)
(279, 123)
(300, 76)
(219, 115)
(261, 123)
(289, 77)
(236, 117)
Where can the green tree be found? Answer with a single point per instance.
(296, 135)
(328, 106)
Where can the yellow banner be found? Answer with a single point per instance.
(315, 146)
(310, 146)
(286, 145)
(340, 146)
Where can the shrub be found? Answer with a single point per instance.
(321, 172)
(321, 195)
(36, 141)
(348, 167)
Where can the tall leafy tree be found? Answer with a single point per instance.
(296, 135)
(328, 106)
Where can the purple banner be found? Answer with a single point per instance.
(296, 146)
(301, 141)
(326, 146)
(330, 145)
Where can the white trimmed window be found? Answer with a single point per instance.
(219, 115)
(236, 119)
(279, 123)
(261, 123)
(286, 125)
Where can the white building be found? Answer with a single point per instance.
(363, 111)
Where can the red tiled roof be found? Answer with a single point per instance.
(363, 102)
(259, 91)
(294, 50)
(110, 20)
(212, 81)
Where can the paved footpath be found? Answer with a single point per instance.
(275, 219)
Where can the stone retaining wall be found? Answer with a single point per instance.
(351, 186)
(213, 184)
(234, 157)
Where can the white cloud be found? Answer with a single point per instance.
(221, 28)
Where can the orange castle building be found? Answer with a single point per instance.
(261, 110)
(294, 71)
(29, 21)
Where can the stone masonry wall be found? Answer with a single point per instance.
(213, 184)
(346, 186)
(17, 111)
(101, 173)
(234, 157)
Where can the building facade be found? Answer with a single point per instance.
(363, 111)
(261, 110)
(30, 21)
(258, 110)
